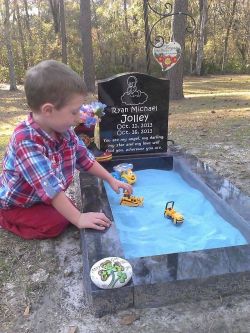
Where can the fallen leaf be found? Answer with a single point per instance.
(26, 311)
(129, 319)
(72, 329)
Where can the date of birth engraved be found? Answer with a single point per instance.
(146, 125)
(133, 126)
(143, 125)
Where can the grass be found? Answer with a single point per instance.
(213, 104)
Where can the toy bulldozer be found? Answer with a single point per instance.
(131, 200)
(170, 213)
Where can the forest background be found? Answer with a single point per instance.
(110, 36)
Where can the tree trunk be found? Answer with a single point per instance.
(175, 74)
(127, 40)
(63, 33)
(8, 44)
(102, 51)
(27, 17)
(191, 60)
(54, 5)
(88, 59)
(200, 44)
(125, 5)
(21, 37)
(230, 23)
(29, 33)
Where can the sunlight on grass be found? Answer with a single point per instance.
(244, 94)
(11, 100)
(4, 139)
(13, 108)
(6, 130)
(223, 85)
(6, 87)
(230, 113)
(7, 125)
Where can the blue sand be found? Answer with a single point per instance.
(144, 231)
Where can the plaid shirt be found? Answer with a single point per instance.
(37, 167)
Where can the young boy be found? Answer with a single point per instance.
(42, 156)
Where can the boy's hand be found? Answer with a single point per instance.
(100, 172)
(117, 184)
(98, 221)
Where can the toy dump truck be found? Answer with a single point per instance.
(124, 173)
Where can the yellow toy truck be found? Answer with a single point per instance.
(170, 213)
(131, 200)
(124, 173)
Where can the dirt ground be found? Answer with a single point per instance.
(41, 283)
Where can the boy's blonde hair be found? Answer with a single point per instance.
(52, 82)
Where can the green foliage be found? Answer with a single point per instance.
(211, 67)
(233, 66)
(4, 74)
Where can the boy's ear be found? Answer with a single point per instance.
(47, 108)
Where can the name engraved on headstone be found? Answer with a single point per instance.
(136, 119)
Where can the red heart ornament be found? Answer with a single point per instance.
(167, 55)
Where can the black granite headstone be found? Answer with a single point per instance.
(136, 117)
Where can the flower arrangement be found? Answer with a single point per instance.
(91, 113)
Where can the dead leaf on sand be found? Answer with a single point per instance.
(129, 319)
(72, 329)
(26, 311)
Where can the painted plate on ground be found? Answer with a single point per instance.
(111, 272)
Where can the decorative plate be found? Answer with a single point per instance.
(167, 55)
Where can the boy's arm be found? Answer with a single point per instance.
(85, 159)
(97, 170)
(81, 220)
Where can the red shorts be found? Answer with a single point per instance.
(40, 221)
